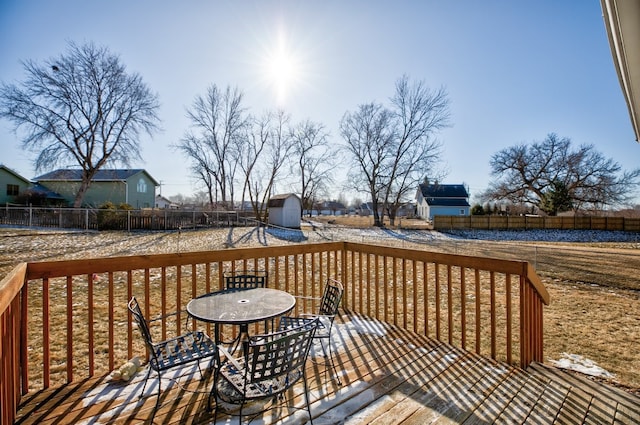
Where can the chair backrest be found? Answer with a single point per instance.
(245, 280)
(331, 298)
(281, 356)
(136, 312)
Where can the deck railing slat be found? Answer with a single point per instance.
(463, 308)
(492, 310)
(46, 346)
(70, 343)
(112, 331)
(437, 300)
(129, 322)
(449, 304)
(12, 342)
(508, 316)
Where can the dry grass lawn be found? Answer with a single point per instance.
(595, 292)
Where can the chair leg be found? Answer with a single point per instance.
(215, 412)
(306, 395)
(155, 409)
(159, 391)
(145, 381)
(333, 365)
(212, 394)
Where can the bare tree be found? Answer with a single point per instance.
(314, 161)
(393, 148)
(533, 173)
(419, 114)
(82, 109)
(219, 125)
(202, 164)
(264, 158)
(250, 155)
(369, 135)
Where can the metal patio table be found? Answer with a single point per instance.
(240, 307)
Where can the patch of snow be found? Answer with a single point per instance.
(130, 391)
(546, 235)
(362, 326)
(581, 364)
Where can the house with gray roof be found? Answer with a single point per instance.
(441, 199)
(118, 186)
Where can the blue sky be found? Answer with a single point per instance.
(514, 70)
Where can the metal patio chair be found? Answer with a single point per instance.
(164, 355)
(245, 279)
(329, 304)
(271, 364)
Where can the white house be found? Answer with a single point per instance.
(165, 204)
(285, 210)
(441, 199)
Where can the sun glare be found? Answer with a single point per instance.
(282, 70)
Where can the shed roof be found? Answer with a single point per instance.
(277, 201)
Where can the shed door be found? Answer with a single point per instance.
(290, 217)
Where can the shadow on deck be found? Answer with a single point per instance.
(389, 376)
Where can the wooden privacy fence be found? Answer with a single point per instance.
(68, 320)
(497, 222)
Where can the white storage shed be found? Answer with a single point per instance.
(285, 210)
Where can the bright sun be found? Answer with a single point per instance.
(282, 70)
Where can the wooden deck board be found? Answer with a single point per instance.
(430, 392)
(496, 401)
(549, 403)
(389, 399)
(521, 405)
(389, 377)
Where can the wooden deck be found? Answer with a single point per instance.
(390, 377)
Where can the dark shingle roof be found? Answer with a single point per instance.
(41, 190)
(447, 202)
(443, 191)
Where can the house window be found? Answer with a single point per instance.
(461, 212)
(142, 186)
(13, 190)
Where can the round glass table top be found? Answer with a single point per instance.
(241, 306)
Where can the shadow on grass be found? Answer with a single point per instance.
(290, 235)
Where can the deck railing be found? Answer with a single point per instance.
(67, 320)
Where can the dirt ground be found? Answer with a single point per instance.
(594, 288)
